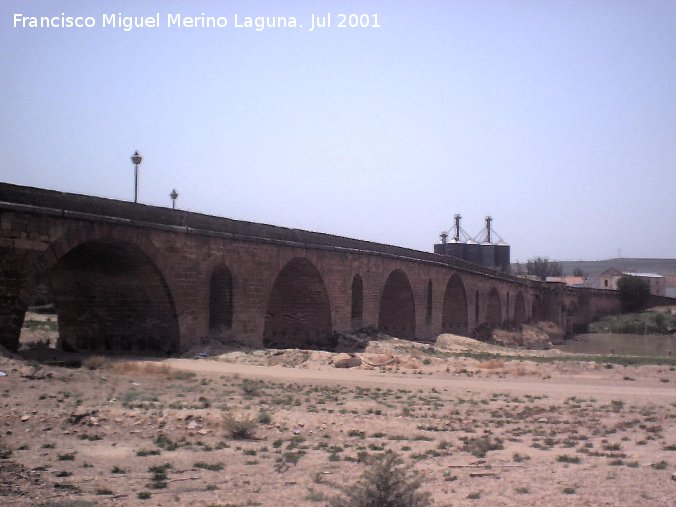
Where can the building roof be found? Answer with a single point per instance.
(643, 275)
(568, 280)
(611, 272)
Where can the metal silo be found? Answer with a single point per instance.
(487, 255)
(456, 249)
(502, 256)
(473, 252)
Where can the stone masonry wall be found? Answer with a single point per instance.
(40, 228)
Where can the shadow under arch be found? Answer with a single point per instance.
(536, 309)
(397, 306)
(298, 312)
(493, 308)
(454, 317)
(519, 309)
(110, 297)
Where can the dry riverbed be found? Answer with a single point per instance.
(480, 429)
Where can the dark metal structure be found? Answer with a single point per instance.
(480, 249)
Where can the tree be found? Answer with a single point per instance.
(634, 293)
(579, 272)
(542, 268)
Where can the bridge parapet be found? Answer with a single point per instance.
(84, 207)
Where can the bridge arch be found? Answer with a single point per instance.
(298, 312)
(110, 296)
(397, 306)
(357, 310)
(493, 309)
(221, 304)
(454, 314)
(519, 309)
(569, 320)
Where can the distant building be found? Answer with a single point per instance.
(606, 280)
(534, 278)
(571, 281)
(609, 278)
(670, 286)
(655, 281)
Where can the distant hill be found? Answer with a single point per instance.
(659, 266)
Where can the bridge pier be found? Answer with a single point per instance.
(16, 287)
(12, 308)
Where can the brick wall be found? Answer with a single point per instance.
(174, 279)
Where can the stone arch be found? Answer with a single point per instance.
(493, 309)
(397, 306)
(298, 312)
(454, 314)
(477, 308)
(430, 305)
(35, 270)
(357, 311)
(221, 304)
(110, 296)
(519, 309)
(84, 234)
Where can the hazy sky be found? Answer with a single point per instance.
(558, 118)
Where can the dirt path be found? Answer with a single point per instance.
(598, 387)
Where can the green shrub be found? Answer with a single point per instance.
(634, 293)
(565, 458)
(242, 428)
(251, 387)
(164, 442)
(479, 446)
(213, 467)
(662, 465)
(385, 482)
(264, 417)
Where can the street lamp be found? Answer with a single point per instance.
(174, 196)
(136, 159)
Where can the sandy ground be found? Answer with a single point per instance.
(480, 431)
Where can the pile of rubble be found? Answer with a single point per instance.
(538, 336)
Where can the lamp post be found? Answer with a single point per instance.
(174, 196)
(136, 159)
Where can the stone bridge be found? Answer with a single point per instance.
(137, 278)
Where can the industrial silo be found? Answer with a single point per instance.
(473, 252)
(487, 255)
(440, 248)
(502, 256)
(456, 249)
